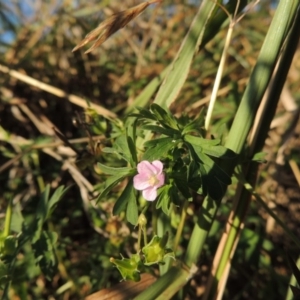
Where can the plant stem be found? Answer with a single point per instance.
(163, 226)
(200, 231)
(218, 77)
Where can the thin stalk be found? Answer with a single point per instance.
(39, 178)
(145, 236)
(221, 67)
(142, 223)
(217, 83)
(139, 238)
(154, 219)
(163, 226)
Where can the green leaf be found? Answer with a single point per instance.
(4, 274)
(210, 147)
(110, 150)
(116, 171)
(17, 218)
(159, 148)
(174, 195)
(205, 181)
(195, 125)
(122, 148)
(200, 142)
(42, 209)
(219, 151)
(166, 131)
(44, 198)
(260, 157)
(131, 139)
(214, 179)
(212, 167)
(164, 117)
(8, 246)
(57, 195)
(155, 142)
(130, 125)
(211, 184)
(44, 252)
(180, 179)
(45, 209)
(145, 114)
(129, 267)
(194, 177)
(132, 209)
(122, 201)
(163, 199)
(132, 150)
(110, 183)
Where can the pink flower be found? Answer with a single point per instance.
(149, 178)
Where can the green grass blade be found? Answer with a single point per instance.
(180, 67)
(212, 28)
(258, 83)
(261, 75)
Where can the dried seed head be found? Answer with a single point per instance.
(113, 24)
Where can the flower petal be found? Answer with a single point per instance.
(158, 166)
(161, 180)
(141, 182)
(145, 167)
(149, 178)
(150, 194)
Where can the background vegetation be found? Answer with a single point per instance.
(43, 84)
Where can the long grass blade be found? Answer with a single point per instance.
(180, 67)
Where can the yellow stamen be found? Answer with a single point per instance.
(153, 180)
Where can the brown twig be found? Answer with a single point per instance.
(58, 92)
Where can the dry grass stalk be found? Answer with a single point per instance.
(112, 25)
(58, 92)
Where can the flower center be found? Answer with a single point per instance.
(153, 180)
